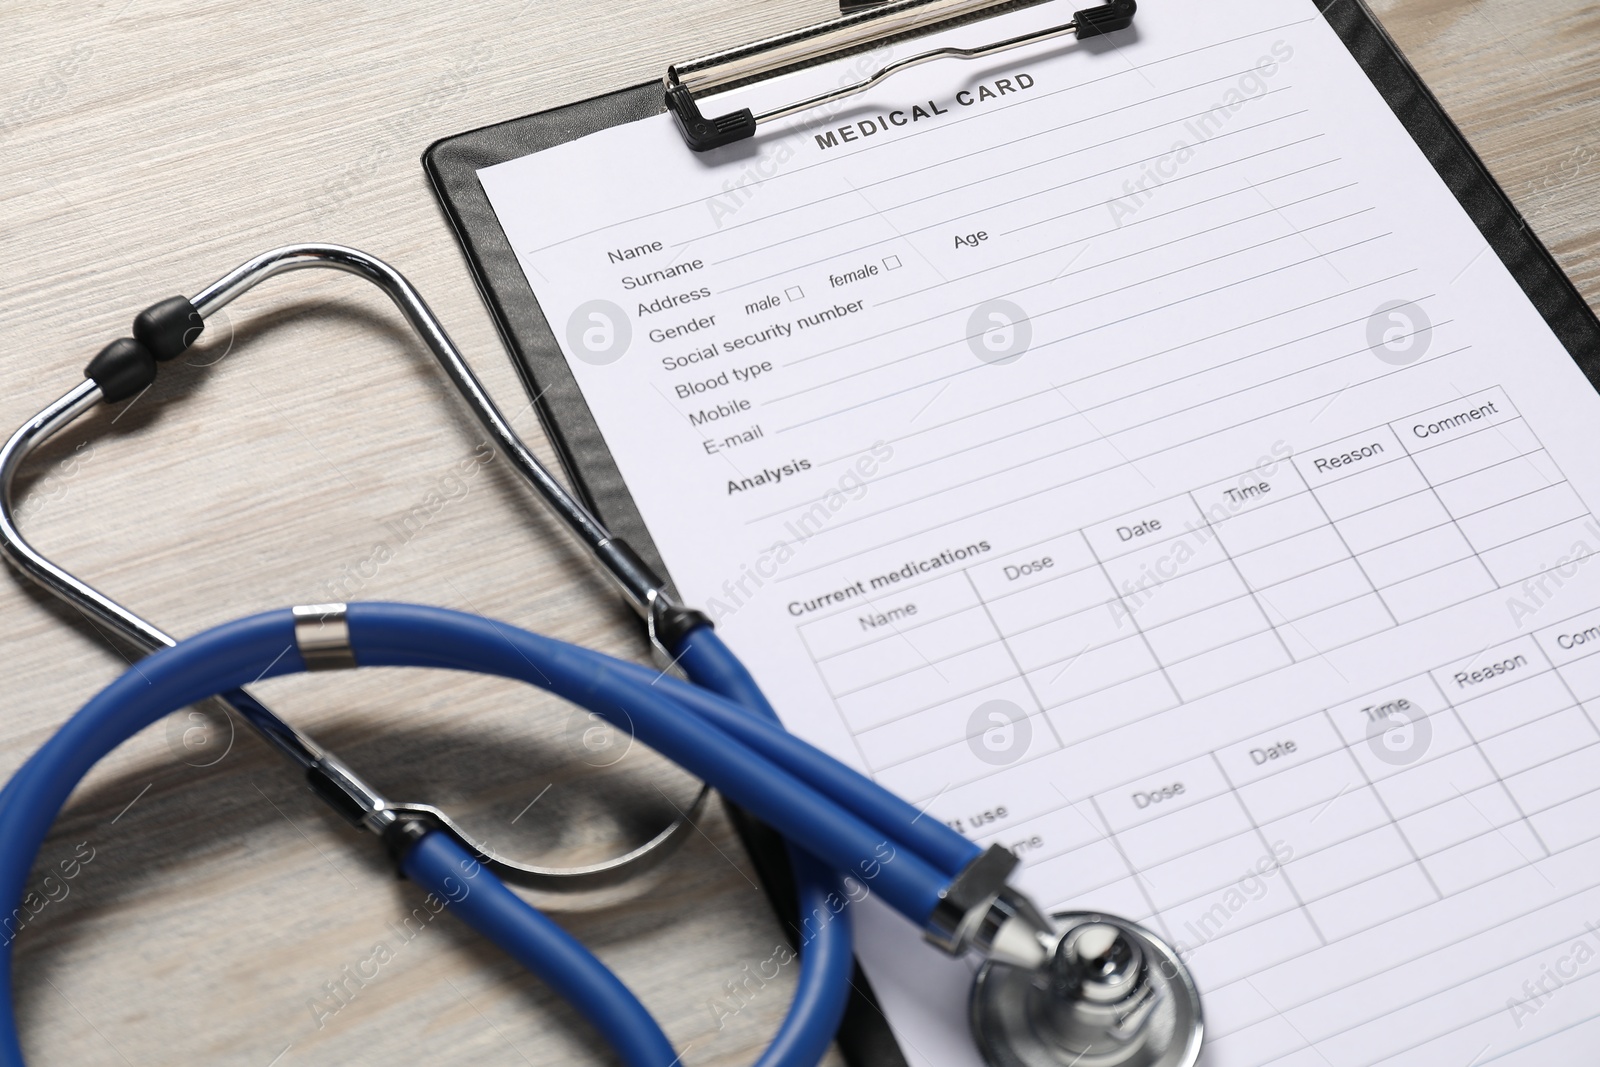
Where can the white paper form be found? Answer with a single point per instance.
(1133, 453)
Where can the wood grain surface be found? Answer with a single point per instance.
(148, 145)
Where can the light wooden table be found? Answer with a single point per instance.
(148, 145)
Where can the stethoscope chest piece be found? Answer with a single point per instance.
(1111, 995)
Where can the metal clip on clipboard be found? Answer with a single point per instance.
(884, 24)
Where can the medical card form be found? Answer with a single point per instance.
(1132, 453)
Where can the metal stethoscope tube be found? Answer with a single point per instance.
(333, 780)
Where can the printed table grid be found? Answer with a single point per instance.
(1391, 890)
(1131, 617)
(1427, 802)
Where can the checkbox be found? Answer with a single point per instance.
(794, 292)
(891, 262)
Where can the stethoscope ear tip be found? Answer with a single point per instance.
(122, 369)
(127, 366)
(168, 327)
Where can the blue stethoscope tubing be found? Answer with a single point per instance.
(836, 821)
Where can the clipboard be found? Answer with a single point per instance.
(452, 165)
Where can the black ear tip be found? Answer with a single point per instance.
(123, 368)
(1107, 18)
(168, 328)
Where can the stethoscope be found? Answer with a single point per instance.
(1072, 988)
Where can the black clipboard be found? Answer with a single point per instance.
(452, 165)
